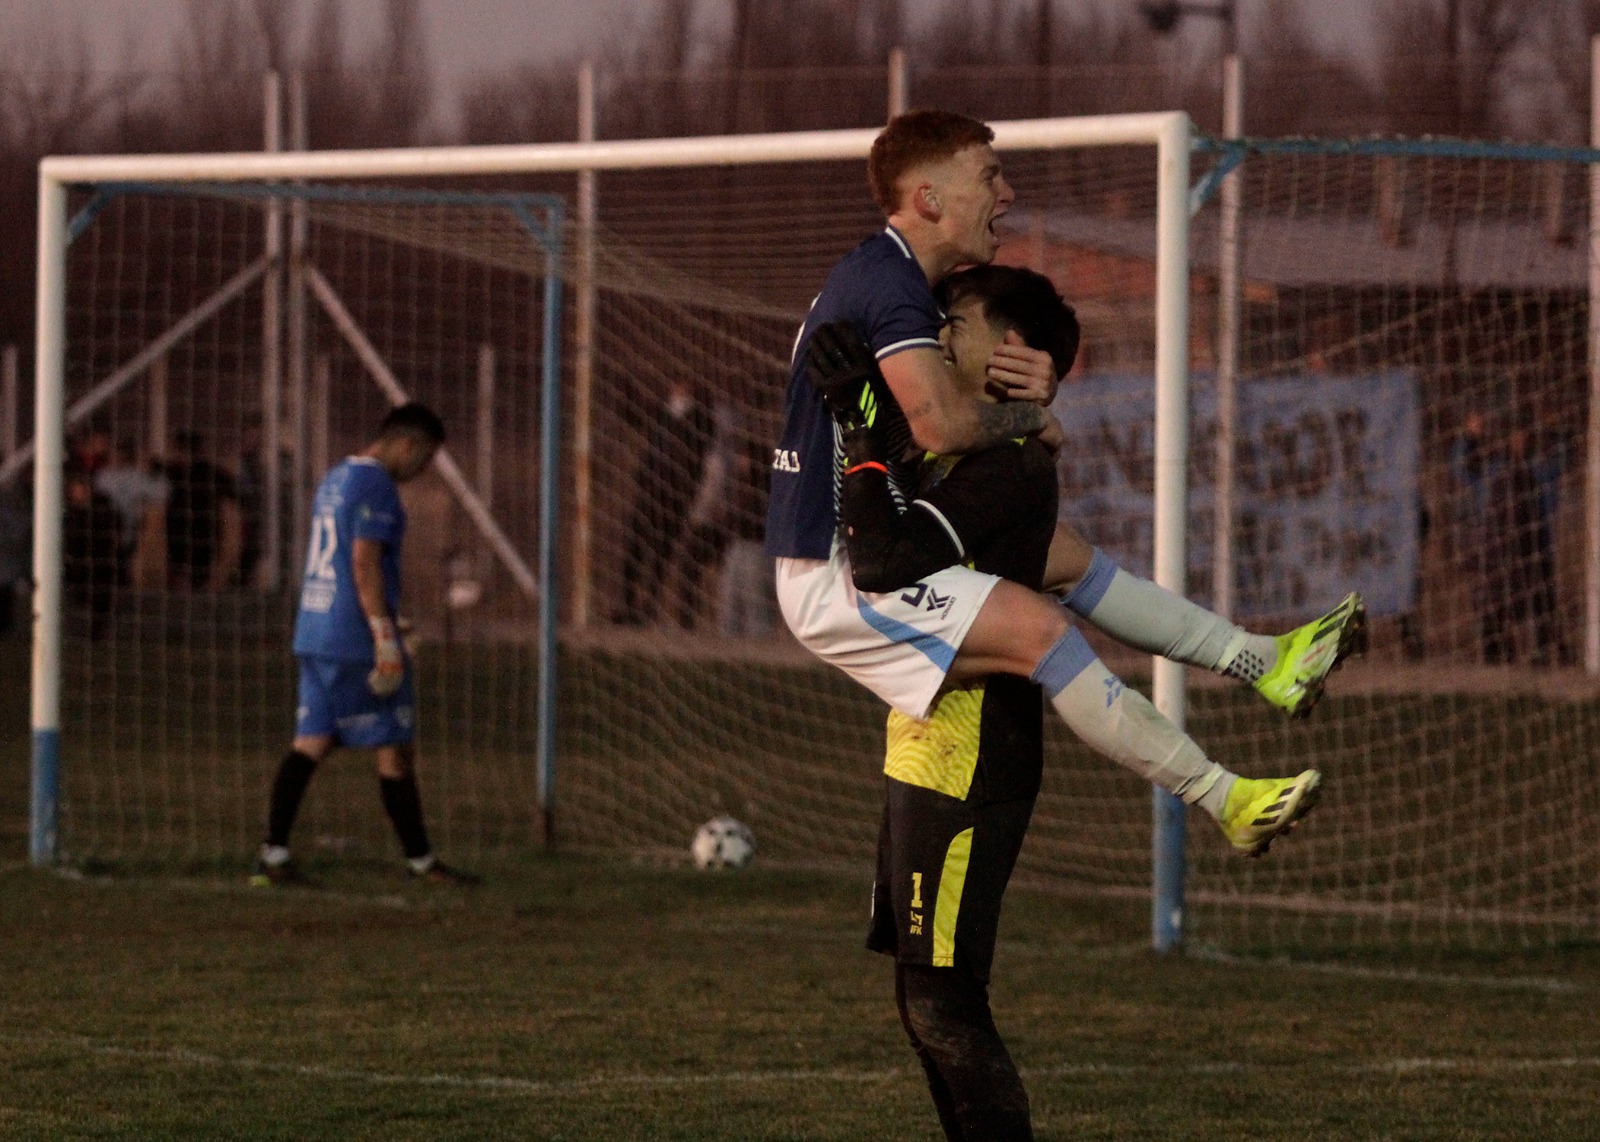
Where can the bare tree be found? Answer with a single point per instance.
(51, 102)
(399, 78)
(1563, 40)
(1443, 64)
(216, 79)
(1294, 86)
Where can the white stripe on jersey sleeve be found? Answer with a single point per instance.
(909, 343)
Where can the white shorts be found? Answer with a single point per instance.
(899, 645)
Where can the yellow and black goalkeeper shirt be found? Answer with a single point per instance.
(994, 511)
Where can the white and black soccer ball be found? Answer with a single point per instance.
(722, 843)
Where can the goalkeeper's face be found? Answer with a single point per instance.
(968, 338)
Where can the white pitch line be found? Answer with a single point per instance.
(1398, 975)
(590, 1083)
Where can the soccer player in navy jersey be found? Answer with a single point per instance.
(355, 674)
(940, 185)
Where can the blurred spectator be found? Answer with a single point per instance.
(1412, 642)
(202, 517)
(1532, 498)
(135, 491)
(252, 499)
(1510, 483)
(16, 552)
(710, 514)
(90, 450)
(89, 547)
(1476, 466)
(745, 602)
(669, 475)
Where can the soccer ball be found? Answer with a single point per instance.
(722, 843)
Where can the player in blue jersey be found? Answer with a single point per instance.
(939, 183)
(355, 674)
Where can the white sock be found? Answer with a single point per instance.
(274, 856)
(421, 864)
(1123, 725)
(1148, 617)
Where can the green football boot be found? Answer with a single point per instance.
(1308, 654)
(1259, 811)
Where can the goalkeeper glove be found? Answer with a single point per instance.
(408, 635)
(390, 664)
(845, 374)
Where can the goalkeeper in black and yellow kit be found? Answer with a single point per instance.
(960, 786)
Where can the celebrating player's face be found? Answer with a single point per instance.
(968, 338)
(972, 196)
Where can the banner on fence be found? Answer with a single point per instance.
(1326, 493)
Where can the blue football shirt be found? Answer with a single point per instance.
(882, 291)
(357, 499)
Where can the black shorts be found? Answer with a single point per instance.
(943, 866)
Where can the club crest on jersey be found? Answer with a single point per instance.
(924, 597)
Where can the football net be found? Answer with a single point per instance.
(225, 343)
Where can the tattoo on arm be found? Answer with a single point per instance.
(1010, 419)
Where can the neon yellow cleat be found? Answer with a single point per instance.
(1258, 811)
(1308, 654)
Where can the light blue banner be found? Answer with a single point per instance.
(1326, 499)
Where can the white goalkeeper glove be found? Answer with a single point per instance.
(408, 635)
(390, 663)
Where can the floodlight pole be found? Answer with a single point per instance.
(583, 314)
(1230, 255)
(899, 82)
(1591, 473)
(272, 354)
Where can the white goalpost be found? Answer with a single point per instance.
(1395, 358)
(1169, 134)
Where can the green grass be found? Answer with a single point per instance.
(581, 999)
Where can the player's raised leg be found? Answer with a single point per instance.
(1288, 670)
(1016, 626)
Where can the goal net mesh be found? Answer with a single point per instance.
(1392, 307)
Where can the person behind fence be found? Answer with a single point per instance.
(252, 483)
(744, 592)
(707, 528)
(16, 551)
(202, 505)
(89, 560)
(1519, 557)
(669, 474)
(135, 490)
(355, 672)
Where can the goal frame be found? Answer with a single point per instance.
(1169, 133)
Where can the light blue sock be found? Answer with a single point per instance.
(1148, 617)
(1122, 724)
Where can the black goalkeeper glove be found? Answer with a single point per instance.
(842, 369)
(845, 374)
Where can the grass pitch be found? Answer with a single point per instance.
(580, 999)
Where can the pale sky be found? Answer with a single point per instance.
(465, 37)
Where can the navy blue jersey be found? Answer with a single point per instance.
(358, 499)
(880, 289)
